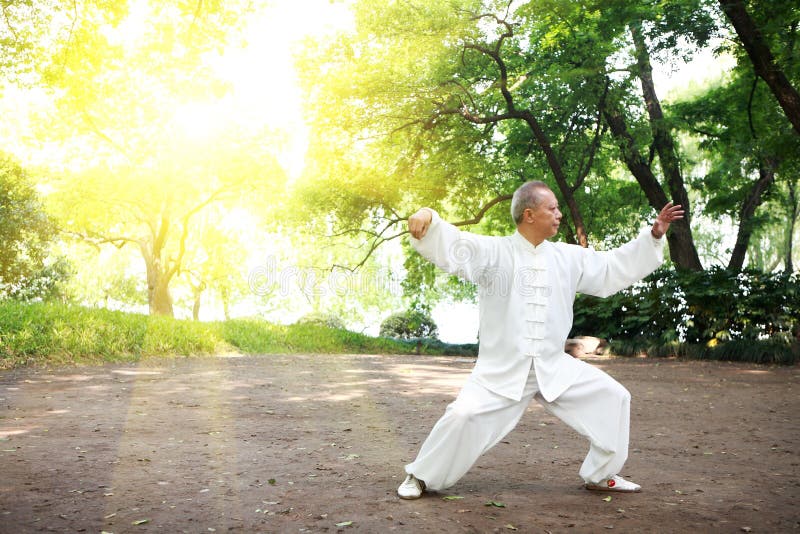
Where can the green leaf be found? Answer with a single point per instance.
(452, 497)
(607, 499)
(140, 522)
(496, 504)
(344, 524)
(271, 482)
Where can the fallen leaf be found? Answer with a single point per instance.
(607, 499)
(140, 522)
(495, 504)
(344, 524)
(511, 527)
(452, 497)
(271, 482)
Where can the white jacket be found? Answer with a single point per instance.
(526, 294)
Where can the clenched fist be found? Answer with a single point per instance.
(419, 222)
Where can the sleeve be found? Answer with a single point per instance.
(605, 273)
(456, 252)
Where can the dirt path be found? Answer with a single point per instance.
(317, 443)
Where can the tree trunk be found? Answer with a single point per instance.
(158, 296)
(538, 133)
(196, 306)
(762, 59)
(226, 306)
(552, 160)
(197, 293)
(766, 171)
(682, 251)
(561, 179)
(665, 147)
(794, 212)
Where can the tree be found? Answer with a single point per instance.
(146, 156)
(215, 259)
(455, 106)
(762, 58)
(411, 324)
(159, 211)
(749, 150)
(683, 251)
(26, 230)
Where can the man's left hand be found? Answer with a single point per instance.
(669, 213)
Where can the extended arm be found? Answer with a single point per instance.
(461, 253)
(605, 273)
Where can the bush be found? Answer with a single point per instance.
(26, 231)
(700, 313)
(767, 351)
(412, 324)
(323, 319)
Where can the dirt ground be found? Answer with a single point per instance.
(316, 443)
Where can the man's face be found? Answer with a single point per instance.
(546, 217)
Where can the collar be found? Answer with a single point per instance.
(527, 245)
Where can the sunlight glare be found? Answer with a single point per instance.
(265, 88)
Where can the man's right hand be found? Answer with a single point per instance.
(419, 222)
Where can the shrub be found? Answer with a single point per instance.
(412, 324)
(700, 313)
(323, 319)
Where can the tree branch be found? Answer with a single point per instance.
(98, 132)
(378, 237)
(95, 239)
(763, 61)
(8, 22)
(175, 268)
(600, 129)
(750, 107)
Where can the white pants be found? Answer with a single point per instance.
(596, 406)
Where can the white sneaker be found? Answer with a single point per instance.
(411, 488)
(615, 483)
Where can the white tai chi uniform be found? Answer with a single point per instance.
(526, 294)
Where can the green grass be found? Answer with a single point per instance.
(54, 334)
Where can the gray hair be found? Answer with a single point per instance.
(528, 195)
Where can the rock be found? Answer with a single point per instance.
(583, 345)
(574, 348)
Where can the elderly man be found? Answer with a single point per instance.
(526, 288)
